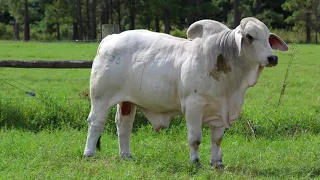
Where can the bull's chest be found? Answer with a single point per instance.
(223, 111)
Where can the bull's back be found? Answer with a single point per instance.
(143, 67)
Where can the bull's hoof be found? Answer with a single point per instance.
(157, 129)
(126, 156)
(196, 162)
(88, 154)
(217, 164)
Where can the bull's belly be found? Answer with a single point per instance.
(153, 94)
(155, 103)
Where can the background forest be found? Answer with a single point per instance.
(296, 21)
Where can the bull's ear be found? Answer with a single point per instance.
(277, 43)
(238, 38)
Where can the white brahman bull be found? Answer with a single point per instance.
(203, 77)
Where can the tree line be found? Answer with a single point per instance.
(82, 19)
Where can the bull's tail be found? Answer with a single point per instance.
(99, 144)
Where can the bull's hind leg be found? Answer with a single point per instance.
(124, 121)
(96, 121)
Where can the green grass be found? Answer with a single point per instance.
(58, 154)
(44, 136)
(12, 50)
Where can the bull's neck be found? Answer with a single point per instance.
(242, 72)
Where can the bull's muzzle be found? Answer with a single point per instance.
(272, 60)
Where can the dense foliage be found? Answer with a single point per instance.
(82, 19)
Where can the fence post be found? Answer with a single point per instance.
(108, 29)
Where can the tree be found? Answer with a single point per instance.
(60, 12)
(16, 9)
(88, 30)
(93, 6)
(26, 22)
(104, 11)
(79, 19)
(119, 14)
(258, 6)
(132, 13)
(304, 14)
(237, 14)
(111, 12)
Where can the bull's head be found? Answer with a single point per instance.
(255, 42)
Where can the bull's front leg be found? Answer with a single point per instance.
(216, 137)
(194, 114)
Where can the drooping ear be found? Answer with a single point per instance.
(238, 39)
(277, 43)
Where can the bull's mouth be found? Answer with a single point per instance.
(271, 65)
(268, 65)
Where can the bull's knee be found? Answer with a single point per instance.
(196, 144)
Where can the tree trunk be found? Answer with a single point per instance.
(111, 12)
(88, 20)
(58, 31)
(157, 23)
(107, 11)
(119, 15)
(258, 6)
(237, 15)
(308, 27)
(79, 20)
(132, 14)
(148, 23)
(316, 37)
(93, 20)
(75, 31)
(26, 22)
(198, 16)
(16, 30)
(104, 12)
(167, 22)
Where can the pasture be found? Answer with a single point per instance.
(44, 136)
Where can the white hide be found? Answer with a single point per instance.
(165, 76)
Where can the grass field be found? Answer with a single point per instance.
(44, 136)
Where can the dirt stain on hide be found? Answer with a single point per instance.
(221, 66)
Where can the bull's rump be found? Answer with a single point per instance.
(142, 68)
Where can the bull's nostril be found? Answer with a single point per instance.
(273, 60)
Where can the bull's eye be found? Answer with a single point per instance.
(250, 38)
